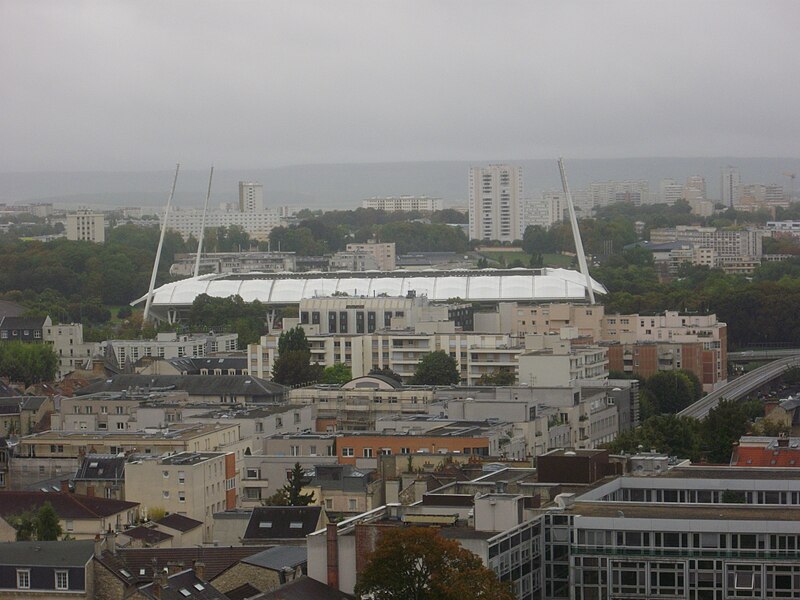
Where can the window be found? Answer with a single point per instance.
(347, 452)
(23, 579)
(296, 525)
(352, 504)
(367, 452)
(181, 496)
(166, 493)
(62, 580)
(70, 525)
(181, 477)
(329, 503)
(297, 417)
(252, 473)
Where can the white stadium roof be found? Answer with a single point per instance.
(485, 285)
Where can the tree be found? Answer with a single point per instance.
(291, 494)
(339, 373)
(416, 563)
(724, 425)
(29, 363)
(669, 392)
(43, 525)
(436, 368)
(387, 372)
(498, 378)
(293, 339)
(295, 368)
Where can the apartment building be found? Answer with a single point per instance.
(735, 250)
(495, 196)
(258, 225)
(193, 484)
(234, 262)
(549, 360)
(251, 197)
(68, 343)
(403, 203)
(264, 474)
(170, 345)
(87, 226)
(647, 344)
(603, 193)
(580, 320)
(384, 254)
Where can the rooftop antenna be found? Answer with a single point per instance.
(160, 245)
(576, 233)
(203, 226)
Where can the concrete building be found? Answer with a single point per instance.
(257, 225)
(545, 211)
(495, 195)
(234, 262)
(384, 254)
(23, 329)
(68, 343)
(193, 484)
(170, 345)
(670, 191)
(734, 250)
(604, 193)
(251, 197)
(403, 203)
(551, 361)
(730, 180)
(264, 474)
(353, 260)
(86, 226)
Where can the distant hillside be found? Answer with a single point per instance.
(345, 185)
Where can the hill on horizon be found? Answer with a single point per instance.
(345, 185)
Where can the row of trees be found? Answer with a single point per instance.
(710, 439)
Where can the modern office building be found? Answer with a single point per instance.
(495, 210)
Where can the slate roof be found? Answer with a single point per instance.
(179, 522)
(278, 557)
(148, 535)
(10, 309)
(243, 592)
(10, 323)
(215, 558)
(14, 404)
(184, 586)
(101, 467)
(304, 588)
(198, 385)
(67, 505)
(49, 554)
(6, 391)
(282, 522)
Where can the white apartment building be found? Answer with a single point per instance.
(403, 203)
(697, 183)
(68, 344)
(545, 211)
(670, 191)
(86, 226)
(385, 255)
(734, 249)
(171, 345)
(258, 225)
(251, 197)
(730, 181)
(495, 211)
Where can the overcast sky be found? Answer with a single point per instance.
(140, 85)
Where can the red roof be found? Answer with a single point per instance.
(66, 505)
(749, 456)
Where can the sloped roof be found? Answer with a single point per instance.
(184, 586)
(10, 309)
(147, 535)
(9, 323)
(766, 457)
(66, 505)
(282, 522)
(179, 522)
(199, 385)
(7, 404)
(243, 592)
(304, 588)
(51, 554)
(279, 557)
(215, 558)
(101, 467)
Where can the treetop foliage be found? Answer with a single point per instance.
(436, 368)
(29, 363)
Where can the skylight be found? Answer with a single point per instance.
(93, 465)
(296, 525)
(265, 524)
(185, 592)
(125, 573)
(199, 587)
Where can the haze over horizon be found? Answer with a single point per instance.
(122, 86)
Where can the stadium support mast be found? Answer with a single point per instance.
(203, 226)
(576, 233)
(160, 245)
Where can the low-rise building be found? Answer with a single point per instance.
(550, 361)
(264, 474)
(68, 343)
(403, 203)
(344, 489)
(22, 415)
(44, 569)
(170, 345)
(23, 329)
(101, 475)
(87, 226)
(265, 571)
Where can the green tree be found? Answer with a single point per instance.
(294, 368)
(722, 427)
(293, 339)
(29, 363)
(387, 372)
(669, 392)
(416, 563)
(43, 525)
(671, 434)
(291, 494)
(339, 373)
(498, 378)
(436, 368)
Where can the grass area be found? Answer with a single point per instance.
(495, 258)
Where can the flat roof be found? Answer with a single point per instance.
(711, 512)
(176, 432)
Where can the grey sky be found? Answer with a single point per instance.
(133, 85)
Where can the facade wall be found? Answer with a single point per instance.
(264, 580)
(86, 226)
(495, 210)
(350, 448)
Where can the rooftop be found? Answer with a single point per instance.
(178, 522)
(50, 554)
(279, 557)
(197, 385)
(177, 431)
(713, 512)
(282, 522)
(67, 505)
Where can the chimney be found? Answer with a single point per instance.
(111, 540)
(98, 545)
(65, 486)
(200, 570)
(174, 567)
(332, 534)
